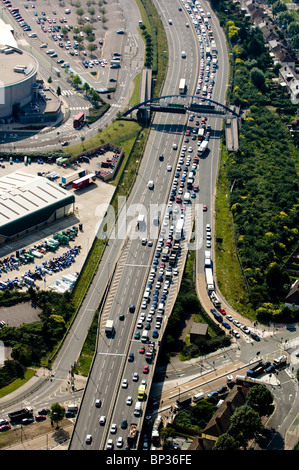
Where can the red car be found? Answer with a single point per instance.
(142, 350)
(221, 310)
(196, 188)
(204, 208)
(145, 370)
(187, 132)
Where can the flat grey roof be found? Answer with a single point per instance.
(22, 194)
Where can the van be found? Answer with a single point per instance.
(161, 309)
(144, 336)
(137, 408)
(198, 397)
(146, 297)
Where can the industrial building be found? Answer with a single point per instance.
(28, 202)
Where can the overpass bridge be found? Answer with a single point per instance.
(206, 106)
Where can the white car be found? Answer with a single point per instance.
(120, 442)
(129, 401)
(125, 383)
(208, 227)
(113, 428)
(169, 168)
(110, 444)
(190, 149)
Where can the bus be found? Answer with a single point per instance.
(78, 121)
(182, 86)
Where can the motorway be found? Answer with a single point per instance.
(129, 281)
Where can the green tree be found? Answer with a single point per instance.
(57, 413)
(261, 400)
(245, 423)
(257, 78)
(227, 442)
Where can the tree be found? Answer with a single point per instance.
(227, 442)
(257, 78)
(57, 413)
(261, 400)
(245, 423)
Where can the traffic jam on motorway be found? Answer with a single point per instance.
(172, 231)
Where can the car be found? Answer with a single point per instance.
(40, 417)
(98, 403)
(190, 149)
(124, 424)
(155, 333)
(161, 157)
(124, 383)
(143, 241)
(129, 401)
(139, 324)
(235, 334)
(150, 243)
(142, 350)
(146, 370)
(147, 326)
(237, 323)
(229, 317)
(102, 420)
(137, 335)
(169, 167)
(208, 227)
(135, 377)
(131, 357)
(110, 444)
(208, 244)
(119, 442)
(222, 389)
(43, 411)
(212, 394)
(226, 325)
(221, 310)
(121, 317)
(132, 308)
(245, 329)
(196, 188)
(255, 336)
(88, 439)
(113, 428)
(27, 420)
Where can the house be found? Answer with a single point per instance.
(198, 330)
(220, 421)
(291, 81)
(292, 299)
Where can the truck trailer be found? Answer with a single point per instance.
(209, 279)
(73, 176)
(84, 181)
(17, 416)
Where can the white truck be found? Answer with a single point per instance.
(209, 279)
(141, 222)
(203, 147)
(109, 328)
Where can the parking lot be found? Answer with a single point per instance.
(82, 38)
(87, 203)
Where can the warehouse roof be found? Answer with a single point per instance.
(27, 200)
